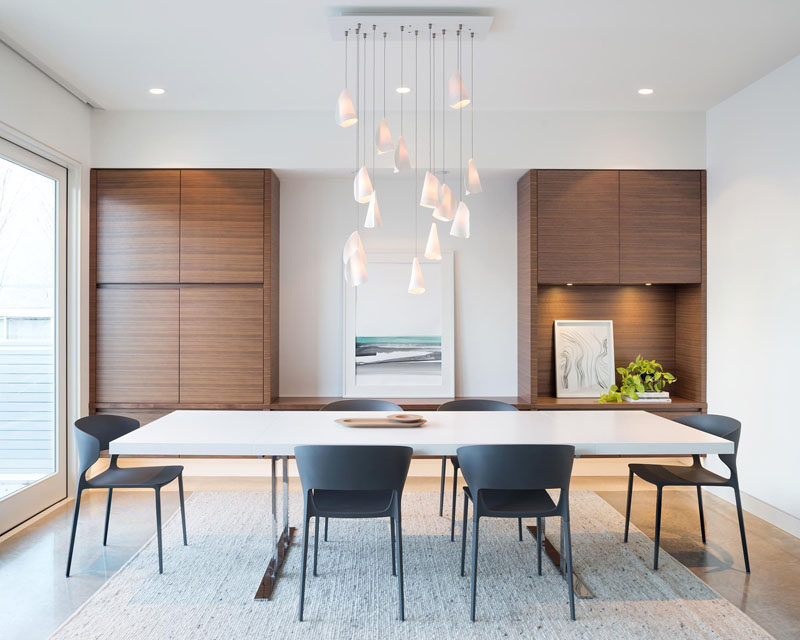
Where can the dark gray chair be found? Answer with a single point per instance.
(353, 482)
(511, 481)
(92, 435)
(695, 475)
(358, 404)
(467, 404)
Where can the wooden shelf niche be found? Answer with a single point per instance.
(665, 321)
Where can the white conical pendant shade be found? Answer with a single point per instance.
(457, 92)
(473, 179)
(383, 138)
(401, 160)
(373, 218)
(355, 260)
(345, 113)
(432, 250)
(417, 282)
(430, 191)
(447, 206)
(460, 228)
(362, 186)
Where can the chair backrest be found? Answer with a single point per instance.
(717, 425)
(361, 404)
(476, 404)
(93, 433)
(353, 468)
(517, 466)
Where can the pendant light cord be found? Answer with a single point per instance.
(472, 86)
(358, 110)
(444, 94)
(433, 101)
(430, 93)
(460, 125)
(373, 99)
(402, 28)
(384, 74)
(416, 143)
(364, 137)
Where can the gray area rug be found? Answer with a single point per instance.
(207, 588)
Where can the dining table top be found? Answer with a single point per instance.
(277, 433)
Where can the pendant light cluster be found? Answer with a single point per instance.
(446, 204)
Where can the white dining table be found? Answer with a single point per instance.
(275, 434)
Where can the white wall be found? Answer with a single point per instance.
(754, 283)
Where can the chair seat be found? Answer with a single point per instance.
(522, 503)
(673, 475)
(123, 477)
(351, 504)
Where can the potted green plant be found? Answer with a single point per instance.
(641, 381)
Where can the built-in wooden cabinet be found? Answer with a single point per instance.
(222, 225)
(222, 345)
(578, 227)
(660, 227)
(183, 289)
(137, 344)
(627, 246)
(138, 221)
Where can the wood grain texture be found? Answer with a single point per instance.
(660, 227)
(272, 234)
(526, 286)
(144, 416)
(644, 323)
(691, 322)
(92, 288)
(222, 225)
(314, 403)
(137, 225)
(222, 345)
(137, 345)
(578, 227)
(678, 405)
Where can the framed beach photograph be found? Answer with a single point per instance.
(584, 358)
(397, 344)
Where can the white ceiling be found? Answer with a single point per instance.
(277, 55)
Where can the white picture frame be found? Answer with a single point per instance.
(584, 358)
(382, 314)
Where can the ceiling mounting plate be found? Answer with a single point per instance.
(391, 23)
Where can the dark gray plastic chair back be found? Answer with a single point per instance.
(353, 468)
(516, 466)
(361, 404)
(476, 404)
(93, 433)
(718, 425)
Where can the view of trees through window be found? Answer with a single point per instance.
(27, 304)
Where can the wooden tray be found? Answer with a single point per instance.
(395, 421)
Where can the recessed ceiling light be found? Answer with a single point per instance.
(646, 92)
(156, 91)
(403, 89)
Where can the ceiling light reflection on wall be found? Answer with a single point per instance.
(646, 92)
(157, 91)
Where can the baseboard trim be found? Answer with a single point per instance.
(776, 517)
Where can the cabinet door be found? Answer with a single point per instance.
(578, 227)
(222, 225)
(660, 222)
(137, 225)
(137, 345)
(222, 345)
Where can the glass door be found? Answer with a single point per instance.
(33, 461)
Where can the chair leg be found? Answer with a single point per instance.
(700, 507)
(316, 544)
(453, 511)
(394, 560)
(539, 544)
(519, 526)
(741, 528)
(568, 550)
(628, 506)
(108, 514)
(441, 488)
(158, 529)
(303, 563)
(183, 508)
(400, 563)
(464, 533)
(326, 530)
(74, 528)
(474, 589)
(658, 527)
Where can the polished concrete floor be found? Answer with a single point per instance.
(38, 597)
